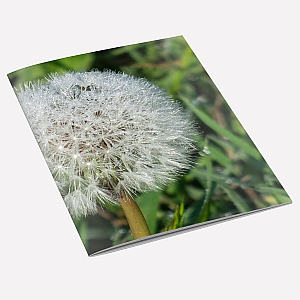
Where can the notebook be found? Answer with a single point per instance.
(142, 145)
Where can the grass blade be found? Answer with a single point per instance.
(227, 134)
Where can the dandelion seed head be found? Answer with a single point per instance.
(104, 134)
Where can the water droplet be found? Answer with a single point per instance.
(170, 215)
(227, 214)
(201, 99)
(113, 237)
(206, 150)
(228, 181)
(192, 77)
(219, 169)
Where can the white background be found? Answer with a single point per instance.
(251, 51)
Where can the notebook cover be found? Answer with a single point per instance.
(141, 144)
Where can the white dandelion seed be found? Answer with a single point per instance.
(104, 134)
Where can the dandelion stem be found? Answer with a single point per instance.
(135, 218)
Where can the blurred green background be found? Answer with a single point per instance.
(230, 176)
